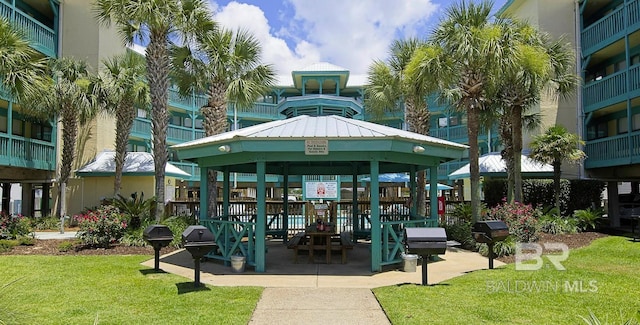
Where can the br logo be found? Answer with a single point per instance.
(527, 252)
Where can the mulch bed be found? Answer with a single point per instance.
(52, 247)
(571, 240)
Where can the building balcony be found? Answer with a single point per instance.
(612, 89)
(42, 38)
(619, 150)
(449, 167)
(610, 28)
(453, 133)
(27, 153)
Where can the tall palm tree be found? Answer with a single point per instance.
(469, 54)
(540, 63)
(388, 86)
(554, 146)
(121, 87)
(20, 65)
(226, 65)
(156, 22)
(65, 95)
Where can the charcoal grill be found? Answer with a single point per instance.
(157, 236)
(490, 232)
(425, 242)
(198, 240)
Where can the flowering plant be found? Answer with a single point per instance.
(101, 227)
(522, 220)
(14, 226)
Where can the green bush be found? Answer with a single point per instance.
(501, 248)
(552, 224)
(522, 220)
(461, 232)
(177, 225)
(587, 219)
(46, 223)
(136, 208)
(7, 244)
(102, 227)
(14, 226)
(585, 194)
(66, 246)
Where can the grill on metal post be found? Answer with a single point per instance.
(157, 236)
(198, 240)
(425, 242)
(490, 232)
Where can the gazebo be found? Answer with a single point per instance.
(314, 145)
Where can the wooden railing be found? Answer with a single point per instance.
(602, 30)
(31, 153)
(42, 37)
(618, 150)
(607, 90)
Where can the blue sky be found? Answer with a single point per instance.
(347, 33)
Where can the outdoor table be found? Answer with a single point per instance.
(317, 239)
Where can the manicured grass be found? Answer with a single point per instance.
(112, 290)
(603, 279)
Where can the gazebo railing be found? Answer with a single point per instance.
(232, 238)
(393, 235)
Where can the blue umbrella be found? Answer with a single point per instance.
(441, 187)
(389, 178)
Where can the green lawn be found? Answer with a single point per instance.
(112, 290)
(603, 279)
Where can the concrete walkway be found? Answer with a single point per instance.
(321, 293)
(55, 235)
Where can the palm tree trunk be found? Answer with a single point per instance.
(157, 73)
(418, 120)
(556, 184)
(125, 115)
(474, 168)
(516, 123)
(215, 122)
(507, 153)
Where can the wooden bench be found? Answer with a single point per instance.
(345, 244)
(296, 243)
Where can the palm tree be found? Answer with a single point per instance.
(65, 95)
(554, 146)
(121, 87)
(225, 65)
(20, 65)
(158, 22)
(388, 85)
(540, 63)
(468, 56)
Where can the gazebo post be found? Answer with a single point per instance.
(354, 201)
(285, 202)
(413, 188)
(226, 187)
(376, 231)
(261, 216)
(433, 192)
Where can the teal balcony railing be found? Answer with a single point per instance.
(190, 168)
(618, 150)
(610, 28)
(141, 128)
(27, 153)
(42, 37)
(609, 90)
(449, 167)
(179, 134)
(450, 133)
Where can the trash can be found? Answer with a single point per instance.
(237, 263)
(409, 262)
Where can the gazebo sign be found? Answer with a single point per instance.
(316, 147)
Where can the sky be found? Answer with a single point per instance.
(348, 33)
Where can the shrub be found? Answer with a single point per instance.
(501, 248)
(137, 208)
(522, 220)
(46, 223)
(102, 227)
(12, 227)
(461, 232)
(587, 219)
(177, 225)
(66, 246)
(7, 244)
(552, 224)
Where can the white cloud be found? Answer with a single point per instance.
(350, 34)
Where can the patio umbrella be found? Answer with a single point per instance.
(441, 187)
(389, 178)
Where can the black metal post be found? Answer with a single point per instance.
(196, 282)
(425, 258)
(156, 249)
(490, 246)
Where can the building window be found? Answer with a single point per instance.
(187, 122)
(41, 132)
(3, 123)
(17, 127)
(199, 124)
(597, 131)
(442, 122)
(623, 125)
(636, 122)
